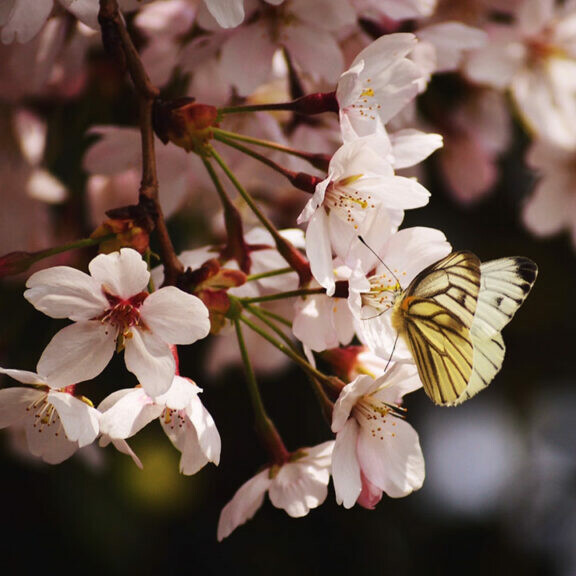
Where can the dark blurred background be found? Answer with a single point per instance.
(500, 492)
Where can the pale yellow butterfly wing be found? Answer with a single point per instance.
(434, 316)
(505, 284)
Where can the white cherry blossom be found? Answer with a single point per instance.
(56, 423)
(112, 310)
(296, 486)
(184, 419)
(378, 84)
(376, 450)
(360, 194)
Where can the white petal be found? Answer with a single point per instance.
(298, 487)
(412, 146)
(80, 421)
(319, 251)
(77, 353)
(393, 460)
(123, 273)
(347, 399)
(24, 376)
(175, 316)
(345, 467)
(244, 504)
(208, 436)
(130, 412)
(64, 292)
(228, 13)
(13, 403)
(151, 361)
(181, 393)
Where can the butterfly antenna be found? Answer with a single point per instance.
(379, 259)
(391, 353)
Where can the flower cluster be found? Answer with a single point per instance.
(295, 143)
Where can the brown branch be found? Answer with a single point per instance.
(117, 41)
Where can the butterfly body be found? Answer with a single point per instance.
(451, 316)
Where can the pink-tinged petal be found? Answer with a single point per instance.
(246, 58)
(64, 292)
(299, 487)
(498, 62)
(551, 206)
(533, 15)
(115, 151)
(13, 404)
(24, 376)
(324, 14)
(392, 460)
(319, 251)
(150, 360)
(25, 20)
(370, 495)
(123, 273)
(315, 50)
(468, 169)
(345, 466)
(80, 421)
(85, 10)
(244, 504)
(175, 316)
(77, 353)
(451, 40)
(126, 412)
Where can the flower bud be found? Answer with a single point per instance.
(184, 122)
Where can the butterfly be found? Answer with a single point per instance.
(451, 316)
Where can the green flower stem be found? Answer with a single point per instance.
(283, 295)
(236, 247)
(286, 249)
(319, 160)
(265, 428)
(269, 274)
(18, 262)
(257, 108)
(295, 356)
(276, 317)
(259, 313)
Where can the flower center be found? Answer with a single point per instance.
(378, 417)
(123, 314)
(46, 419)
(348, 203)
(385, 290)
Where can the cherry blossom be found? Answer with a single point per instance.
(378, 84)
(361, 193)
(296, 486)
(535, 58)
(394, 9)
(56, 422)
(376, 450)
(112, 310)
(184, 419)
(551, 207)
